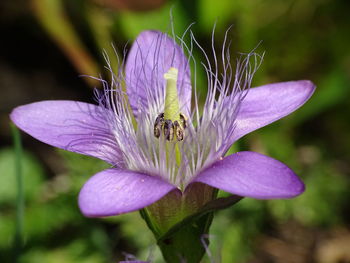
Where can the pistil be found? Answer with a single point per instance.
(171, 109)
(171, 119)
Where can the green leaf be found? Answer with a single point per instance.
(32, 176)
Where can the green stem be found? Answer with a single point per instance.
(18, 241)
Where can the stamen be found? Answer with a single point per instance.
(179, 132)
(158, 125)
(170, 128)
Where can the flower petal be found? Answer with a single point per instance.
(114, 191)
(254, 175)
(266, 104)
(152, 55)
(70, 125)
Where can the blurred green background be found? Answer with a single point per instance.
(47, 45)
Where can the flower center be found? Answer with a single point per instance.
(169, 126)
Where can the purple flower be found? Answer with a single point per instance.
(163, 145)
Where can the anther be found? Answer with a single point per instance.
(158, 125)
(183, 121)
(169, 128)
(179, 132)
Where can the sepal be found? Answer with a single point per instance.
(180, 221)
